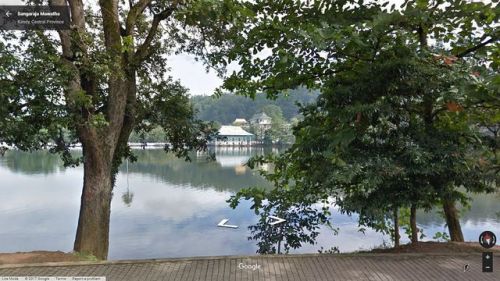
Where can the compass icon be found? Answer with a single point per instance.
(487, 239)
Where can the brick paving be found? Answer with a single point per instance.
(377, 267)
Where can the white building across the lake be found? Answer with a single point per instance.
(261, 123)
(234, 136)
(240, 122)
(261, 119)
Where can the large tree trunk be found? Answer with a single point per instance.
(413, 224)
(92, 235)
(452, 220)
(103, 147)
(397, 237)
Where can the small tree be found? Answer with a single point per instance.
(302, 221)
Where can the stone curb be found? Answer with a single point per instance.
(186, 259)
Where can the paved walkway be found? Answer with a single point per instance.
(293, 267)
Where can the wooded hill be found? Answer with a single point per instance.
(228, 107)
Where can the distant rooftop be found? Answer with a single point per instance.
(240, 120)
(260, 115)
(233, 131)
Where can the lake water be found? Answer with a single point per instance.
(166, 207)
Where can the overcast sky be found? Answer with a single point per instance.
(193, 75)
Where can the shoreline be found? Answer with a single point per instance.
(422, 248)
(157, 145)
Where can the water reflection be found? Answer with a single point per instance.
(127, 196)
(37, 162)
(484, 209)
(227, 173)
(166, 207)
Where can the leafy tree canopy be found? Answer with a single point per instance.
(403, 93)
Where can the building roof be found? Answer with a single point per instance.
(233, 131)
(261, 115)
(240, 120)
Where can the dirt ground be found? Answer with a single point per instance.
(438, 247)
(37, 257)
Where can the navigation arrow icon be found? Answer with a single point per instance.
(8, 13)
(222, 223)
(277, 220)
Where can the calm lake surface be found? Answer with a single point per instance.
(166, 207)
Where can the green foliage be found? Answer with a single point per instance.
(39, 99)
(303, 220)
(395, 123)
(301, 226)
(332, 250)
(31, 112)
(404, 223)
(226, 108)
(169, 116)
(101, 79)
(128, 43)
(154, 135)
(441, 236)
(274, 112)
(85, 257)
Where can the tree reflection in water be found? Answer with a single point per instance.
(127, 197)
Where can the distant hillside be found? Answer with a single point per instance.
(229, 107)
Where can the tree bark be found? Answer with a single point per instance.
(413, 224)
(452, 220)
(92, 235)
(103, 147)
(397, 237)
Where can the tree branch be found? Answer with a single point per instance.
(111, 25)
(71, 41)
(117, 95)
(64, 34)
(477, 47)
(134, 12)
(144, 49)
